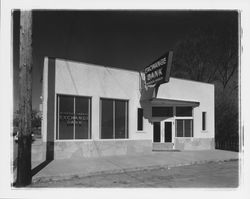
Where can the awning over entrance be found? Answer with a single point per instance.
(173, 102)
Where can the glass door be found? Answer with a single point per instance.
(157, 132)
(167, 131)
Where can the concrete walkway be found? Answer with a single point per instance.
(66, 169)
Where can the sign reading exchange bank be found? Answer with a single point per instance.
(159, 71)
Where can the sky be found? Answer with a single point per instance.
(122, 39)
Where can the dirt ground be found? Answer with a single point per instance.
(209, 175)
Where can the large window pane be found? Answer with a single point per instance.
(73, 117)
(66, 117)
(82, 118)
(184, 111)
(107, 119)
(114, 119)
(120, 117)
(162, 111)
(184, 128)
(179, 128)
(187, 127)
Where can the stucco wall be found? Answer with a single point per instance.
(86, 149)
(82, 79)
(194, 144)
(193, 91)
(73, 78)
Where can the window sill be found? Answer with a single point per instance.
(74, 140)
(140, 131)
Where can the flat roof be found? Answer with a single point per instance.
(117, 68)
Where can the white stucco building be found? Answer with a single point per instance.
(91, 111)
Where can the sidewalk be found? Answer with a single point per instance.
(66, 169)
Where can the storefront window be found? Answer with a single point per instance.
(73, 117)
(107, 119)
(114, 122)
(81, 118)
(179, 132)
(120, 119)
(184, 128)
(66, 117)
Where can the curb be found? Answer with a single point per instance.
(44, 179)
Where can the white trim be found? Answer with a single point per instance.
(58, 116)
(89, 116)
(100, 118)
(183, 122)
(116, 139)
(99, 140)
(113, 102)
(126, 115)
(141, 131)
(74, 125)
(72, 140)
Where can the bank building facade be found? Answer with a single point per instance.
(92, 111)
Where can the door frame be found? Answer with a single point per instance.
(162, 130)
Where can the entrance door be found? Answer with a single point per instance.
(168, 131)
(163, 131)
(157, 132)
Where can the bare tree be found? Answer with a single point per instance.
(208, 54)
(226, 50)
(211, 55)
(193, 57)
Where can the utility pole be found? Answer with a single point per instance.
(24, 176)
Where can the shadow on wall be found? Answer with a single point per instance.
(49, 158)
(50, 118)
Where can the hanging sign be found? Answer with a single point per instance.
(159, 71)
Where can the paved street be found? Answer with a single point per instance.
(209, 175)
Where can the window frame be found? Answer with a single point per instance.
(183, 118)
(57, 134)
(183, 127)
(113, 114)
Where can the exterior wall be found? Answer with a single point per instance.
(44, 100)
(194, 143)
(86, 149)
(193, 91)
(81, 79)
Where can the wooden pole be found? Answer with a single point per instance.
(24, 176)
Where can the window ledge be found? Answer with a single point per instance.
(140, 131)
(74, 140)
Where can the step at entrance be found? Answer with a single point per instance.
(163, 146)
